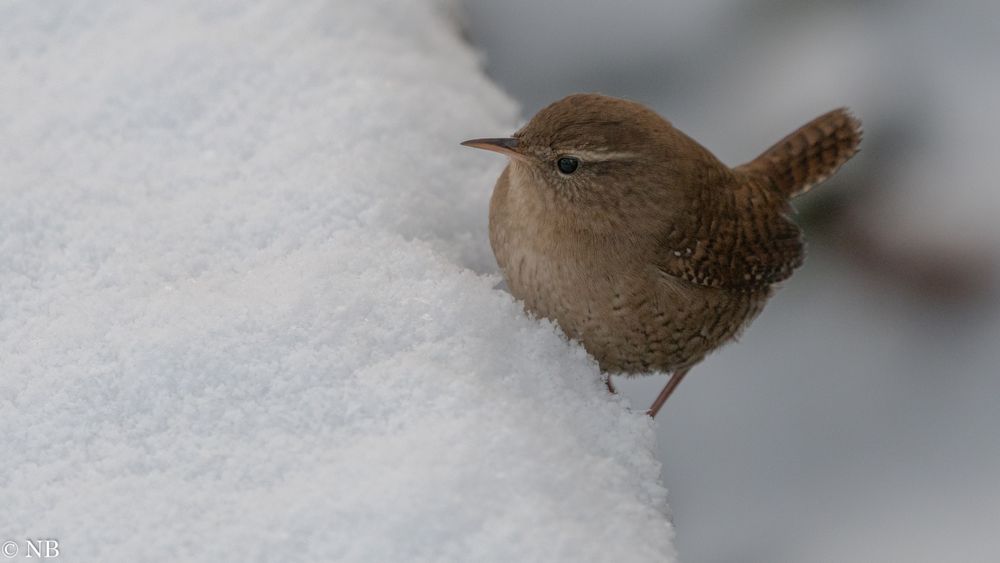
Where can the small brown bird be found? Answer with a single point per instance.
(637, 240)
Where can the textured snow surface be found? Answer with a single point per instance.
(248, 308)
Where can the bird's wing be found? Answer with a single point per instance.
(736, 237)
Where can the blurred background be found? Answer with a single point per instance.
(859, 418)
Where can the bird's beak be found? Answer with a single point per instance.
(506, 146)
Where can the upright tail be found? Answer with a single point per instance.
(809, 155)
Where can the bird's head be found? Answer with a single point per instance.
(590, 152)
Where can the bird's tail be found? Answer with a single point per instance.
(809, 155)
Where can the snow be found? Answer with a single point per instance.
(249, 309)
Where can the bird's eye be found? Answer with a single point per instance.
(567, 164)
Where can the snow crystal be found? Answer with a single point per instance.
(248, 306)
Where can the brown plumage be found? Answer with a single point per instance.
(640, 243)
(809, 155)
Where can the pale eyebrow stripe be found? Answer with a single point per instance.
(601, 155)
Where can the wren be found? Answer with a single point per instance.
(637, 240)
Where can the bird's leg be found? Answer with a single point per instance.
(611, 386)
(675, 380)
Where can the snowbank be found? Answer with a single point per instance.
(240, 315)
